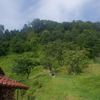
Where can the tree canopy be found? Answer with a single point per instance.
(24, 66)
(52, 39)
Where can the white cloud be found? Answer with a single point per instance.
(15, 13)
(59, 10)
(10, 13)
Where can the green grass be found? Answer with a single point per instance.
(85, 86)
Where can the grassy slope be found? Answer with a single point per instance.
(63, 87)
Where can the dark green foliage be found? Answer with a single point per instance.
(37, 25)
(1, 32)
(53, 35)
(16, 45)
(54, 42)
(3, 48)
(7, 35)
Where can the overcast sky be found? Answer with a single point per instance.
(15, 13)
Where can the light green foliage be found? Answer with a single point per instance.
(24, 66)
(54, 50)
(45, 37)
(63, 87)
(74, 60)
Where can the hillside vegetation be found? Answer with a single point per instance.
(59, 61)
(43, 86)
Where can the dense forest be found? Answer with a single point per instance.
(66, 47)
(65, 43)
(40, 33)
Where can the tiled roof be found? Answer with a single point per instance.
(7, 82)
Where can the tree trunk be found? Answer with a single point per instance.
(27, 77)
(17, 94)
(72, 70)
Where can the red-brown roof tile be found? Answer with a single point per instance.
(7, 82)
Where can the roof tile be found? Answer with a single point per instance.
(7, 82)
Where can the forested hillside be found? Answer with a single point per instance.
(38, 34)
(42, 46)
(56, 41)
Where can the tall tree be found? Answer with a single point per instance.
(7, 35)
(1, 31)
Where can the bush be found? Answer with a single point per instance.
(35, 83)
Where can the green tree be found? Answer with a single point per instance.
(48, 64)
(16, 45)
(3, 48)
(7, 35)
(24, 66)
(68, 36)
(54, 49)
(37, 25)
(75, 60)
(1, 32)
(45, 37)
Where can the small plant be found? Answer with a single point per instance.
(32, 97)
(35, 83)
(39, 85)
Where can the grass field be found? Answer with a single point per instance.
(85, 86)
